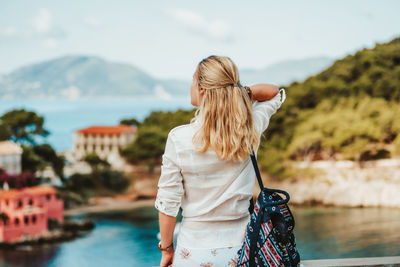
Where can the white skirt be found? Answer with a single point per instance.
(212, 234)
(187, 257)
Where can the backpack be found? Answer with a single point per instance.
(269, 238)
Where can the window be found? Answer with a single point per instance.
(48, 196)
(16, 221)
(30, 202)
(26, 219)
(33, 218)
(19, 203)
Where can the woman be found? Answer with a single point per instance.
(206, 167)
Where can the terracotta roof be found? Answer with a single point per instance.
(108, 130)
(34, 190)
(9, 148)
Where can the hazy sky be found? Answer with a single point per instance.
(168, 38)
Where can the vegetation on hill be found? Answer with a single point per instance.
(149, 144)
(348, 111)
(24, 126)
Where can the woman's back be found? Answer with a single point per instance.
(206, 167)
(213, 194)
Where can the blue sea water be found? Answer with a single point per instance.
(129, 238)
(63, 117)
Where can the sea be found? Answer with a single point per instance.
(63, 117)
(129, 238)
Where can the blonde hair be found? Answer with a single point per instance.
(225, 112)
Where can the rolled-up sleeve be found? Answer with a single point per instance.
(263, 110)
(170, 187)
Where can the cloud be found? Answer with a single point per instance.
(218, 29)
(92, 22)
(43, 26)
(50, 42)
(42, 30)
(71, 92)
(42, 22)
(45, 30)
(8, 32)
(160, 92)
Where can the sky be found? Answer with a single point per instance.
(168, 38)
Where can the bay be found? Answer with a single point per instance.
(63, 117)
(129, 238)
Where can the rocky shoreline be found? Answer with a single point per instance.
(344, 184)
(64, 231)
(109, 205)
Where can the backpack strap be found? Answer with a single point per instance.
(262, 188)
(253, 159)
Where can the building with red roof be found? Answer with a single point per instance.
(104, 141)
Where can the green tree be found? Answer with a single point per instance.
(147, 148)
(47, 153)
(5, 132)
(130, 122)
(30, 160)
(24, 125)
(95, 162)
(102, 175)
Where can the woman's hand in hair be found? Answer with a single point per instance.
(263, 91)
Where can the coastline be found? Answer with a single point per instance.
(113, 205)
(318, 183)
(343, 184)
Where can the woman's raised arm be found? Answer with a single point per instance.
(263, 91)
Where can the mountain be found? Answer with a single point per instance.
(85, 76)
(76, 76)
(285, 72)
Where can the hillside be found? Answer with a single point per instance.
(350, 111)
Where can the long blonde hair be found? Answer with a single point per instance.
(225, 112)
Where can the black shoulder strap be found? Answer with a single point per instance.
(260, 183)
(253, 159)
(270, 190)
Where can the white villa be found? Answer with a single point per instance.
(10, 157)
(104, 141)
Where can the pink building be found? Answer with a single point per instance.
(27, 210)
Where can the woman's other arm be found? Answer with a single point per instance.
(263, 91)
(169, 196)
(167, 227)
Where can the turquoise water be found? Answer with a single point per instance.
(63, 117)
(129, 238)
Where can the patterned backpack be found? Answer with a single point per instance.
(269, 238)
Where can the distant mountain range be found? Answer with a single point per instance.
(285, 72)
(77, 76)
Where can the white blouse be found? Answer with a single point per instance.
(214, 194)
